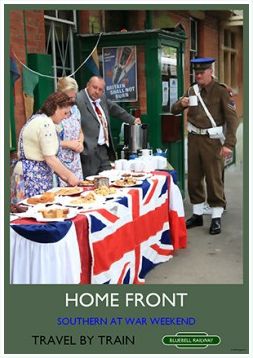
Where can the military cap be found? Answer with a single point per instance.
(202, 63)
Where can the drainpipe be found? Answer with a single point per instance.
(54, 54)
(148, 20)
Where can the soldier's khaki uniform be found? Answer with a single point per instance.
(204, 159)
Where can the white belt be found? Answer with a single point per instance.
(192, 129)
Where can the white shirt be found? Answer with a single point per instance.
(101, 137)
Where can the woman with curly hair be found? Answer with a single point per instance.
(38, 147)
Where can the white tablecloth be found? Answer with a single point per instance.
(39, 263)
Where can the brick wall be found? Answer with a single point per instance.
(35, 30)
(208, 34)
(30, 41)
(90, 21)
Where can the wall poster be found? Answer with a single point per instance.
(120, 73)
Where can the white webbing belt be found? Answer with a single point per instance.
(192, 129)
(196, 90)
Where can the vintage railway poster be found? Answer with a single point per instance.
(127, 278)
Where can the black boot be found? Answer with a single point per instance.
(215, 227)
(195, 220)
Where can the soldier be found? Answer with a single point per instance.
(209, 110)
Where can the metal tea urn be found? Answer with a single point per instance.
(135, 137)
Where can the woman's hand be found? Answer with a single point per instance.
(55, 164)
(73, 180)
(80, 148)
(76, 145)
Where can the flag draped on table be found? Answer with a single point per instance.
(176, 217)
(135, 236)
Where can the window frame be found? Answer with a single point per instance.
(228, 66)
(52, 39)
(193, 51)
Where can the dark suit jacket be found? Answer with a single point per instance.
(90, 124)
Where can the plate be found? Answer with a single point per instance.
(80, 202)
(92, 177)
(68, 191)
(25, 201)
(139, 176)
(106, 193)
(71, 214)
(110, 179)
(30, 213)
(86, 183)
(121, 184)
(13, 217)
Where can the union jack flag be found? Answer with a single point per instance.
(132, 235)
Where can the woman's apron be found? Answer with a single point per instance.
(37, 175)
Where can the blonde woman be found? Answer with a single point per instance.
(70, 132)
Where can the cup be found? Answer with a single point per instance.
(161, 162)
(138, 165)
(149, 165)
(126, 165)
(131, 164)
(118, 164)
(145, 152)
(193, 101)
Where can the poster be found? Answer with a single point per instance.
(165, 92)
(173, 90)
(85, 320)
(120, 73)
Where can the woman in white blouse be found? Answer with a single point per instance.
(38, 147)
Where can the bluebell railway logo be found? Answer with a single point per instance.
(192, 340)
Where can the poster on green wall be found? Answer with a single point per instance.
(122, 276)
(120, 73)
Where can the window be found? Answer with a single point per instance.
(193, 44)
(68, 16)
(60, 26)
(229, 57)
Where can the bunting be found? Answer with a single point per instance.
(93, 63)
(30, 81)
(13, 68)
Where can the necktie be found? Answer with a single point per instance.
(103, 122)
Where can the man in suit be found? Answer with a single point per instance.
(95, 111)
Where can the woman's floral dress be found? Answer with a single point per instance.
(69, 129)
